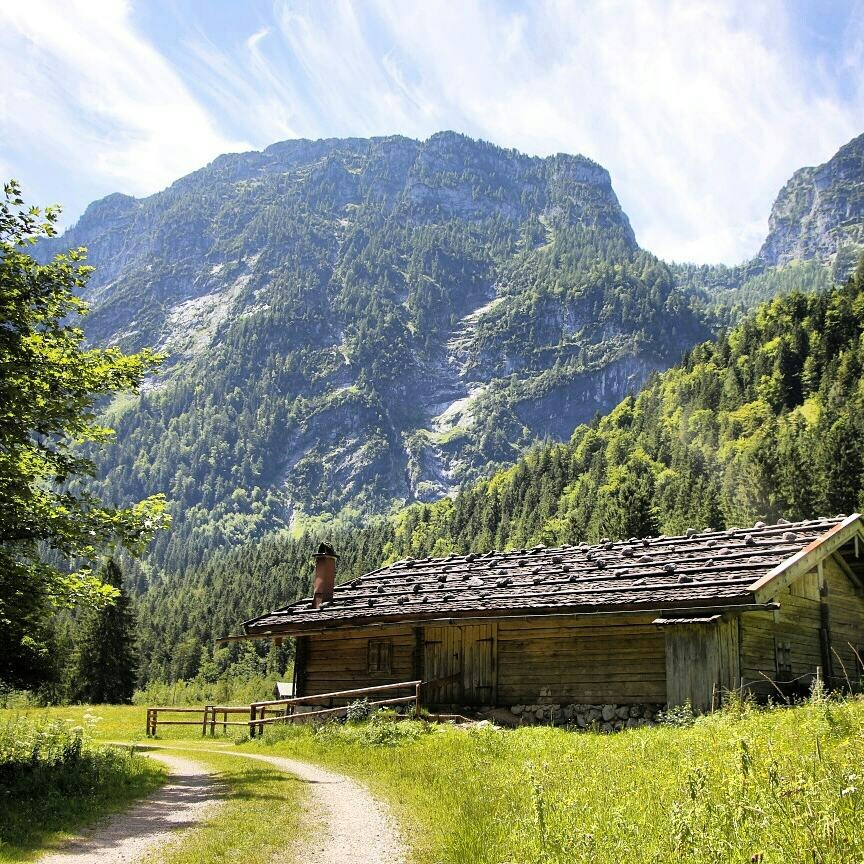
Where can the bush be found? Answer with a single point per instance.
(52, 776)
(679, 716)
(381, 729)
(358, 711)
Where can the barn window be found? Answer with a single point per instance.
(783, 660)
(381, 656)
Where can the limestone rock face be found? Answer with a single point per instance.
(819, 213)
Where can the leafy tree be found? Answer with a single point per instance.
(106, 659)
(52, 528)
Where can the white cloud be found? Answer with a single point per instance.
(256, 37)
(700, 110)
(83, 89)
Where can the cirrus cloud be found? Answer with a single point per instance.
(700, 111)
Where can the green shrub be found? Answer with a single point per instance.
(52, 776)
(380, 729)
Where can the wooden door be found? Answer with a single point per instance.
(479, 672)
(693, 665)
(442, 650)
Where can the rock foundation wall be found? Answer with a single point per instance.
(603, 718)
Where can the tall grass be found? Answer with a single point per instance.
(53, 779)
(240, 690)
(743, 785)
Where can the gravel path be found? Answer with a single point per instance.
(182, 803)
(344, 823)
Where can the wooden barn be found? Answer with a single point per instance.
(605, 633)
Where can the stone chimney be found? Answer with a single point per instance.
(325, 575)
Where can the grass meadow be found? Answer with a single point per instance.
(54, 778)
(743, 785)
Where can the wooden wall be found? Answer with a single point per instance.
(593, 660)
(845, 623)
(339, 660)
(819, 612)
(702, 662)
(590, 660)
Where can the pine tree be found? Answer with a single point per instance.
(105, 667)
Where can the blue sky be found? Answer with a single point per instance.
(700, 110)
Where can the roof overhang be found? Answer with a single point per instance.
(742, 604)
(784, 574)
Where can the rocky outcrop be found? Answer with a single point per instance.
(819, 213)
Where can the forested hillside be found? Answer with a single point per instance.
(767, 421)
(356, 324)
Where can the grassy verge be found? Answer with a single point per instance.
(743, 785)
(107, 722)
(262, 807)
(54, 780)
(764, 786)
(260, 816)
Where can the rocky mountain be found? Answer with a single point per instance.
(819, 213)
(353, 324)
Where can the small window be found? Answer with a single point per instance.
(381, 656)
(783, 658)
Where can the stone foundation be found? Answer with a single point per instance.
(600, 718)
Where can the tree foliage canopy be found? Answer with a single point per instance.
(51, 526)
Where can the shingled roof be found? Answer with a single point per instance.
(696, 570)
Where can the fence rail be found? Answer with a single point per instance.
(282, 710)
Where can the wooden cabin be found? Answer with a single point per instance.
(606, 633)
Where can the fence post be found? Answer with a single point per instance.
(417, 701)
(253, 716)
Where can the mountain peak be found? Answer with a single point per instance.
(819, 213)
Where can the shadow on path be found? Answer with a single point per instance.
(180, 804)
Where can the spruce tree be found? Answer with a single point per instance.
(105, 665)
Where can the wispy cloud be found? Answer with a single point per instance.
(700, 110)
(82, 89)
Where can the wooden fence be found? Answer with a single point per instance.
(283, 710)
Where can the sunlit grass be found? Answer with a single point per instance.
(767, 786)
(261, 814)
(261, 811)
(110, 722)
(54, 780)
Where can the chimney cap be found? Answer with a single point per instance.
(325, 550)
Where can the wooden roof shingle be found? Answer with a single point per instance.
(695, 570)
